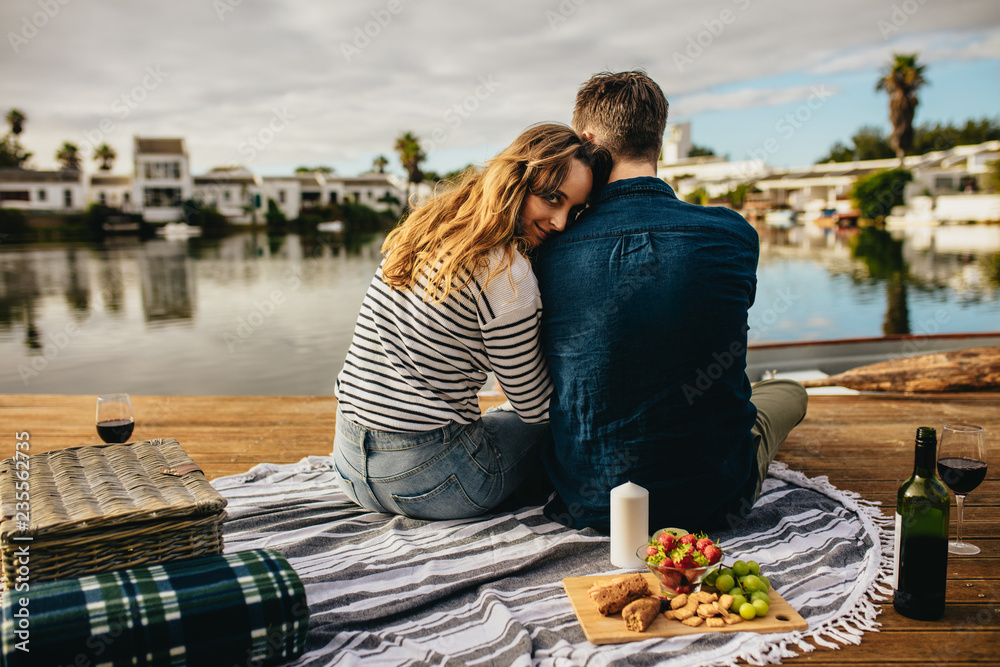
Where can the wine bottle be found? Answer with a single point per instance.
(921, 550)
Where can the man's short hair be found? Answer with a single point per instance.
(626, 112)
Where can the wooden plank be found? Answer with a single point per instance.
(862, 443)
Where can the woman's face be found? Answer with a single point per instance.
(542, 217)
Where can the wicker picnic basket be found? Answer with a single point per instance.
(95, 509)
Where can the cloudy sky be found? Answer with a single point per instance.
(274, 84)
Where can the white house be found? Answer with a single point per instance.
(235, 192)
(161, 180)
(111, 190)
(53, 191)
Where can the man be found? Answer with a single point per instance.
(644, 322)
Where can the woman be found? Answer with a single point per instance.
(455, 298)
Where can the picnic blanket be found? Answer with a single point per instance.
(241, 608)
(388, 590)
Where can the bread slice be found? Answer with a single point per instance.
(639, 614)
(612, 598)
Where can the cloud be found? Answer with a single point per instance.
(355, 75)
(746, 98)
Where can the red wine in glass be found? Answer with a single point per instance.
(115, 430)
(962, 466)
(961, 474)
(114, 418)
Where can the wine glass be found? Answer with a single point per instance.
(114, 418)
(962, 466)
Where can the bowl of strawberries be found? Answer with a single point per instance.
(680, 560)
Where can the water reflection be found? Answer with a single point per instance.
(167, 277)
(253, 313)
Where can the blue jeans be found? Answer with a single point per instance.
(454, 472)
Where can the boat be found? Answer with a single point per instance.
(178, 230)
(817, 359)
(780, 218)
(332, 226)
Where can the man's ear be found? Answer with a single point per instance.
(588, 137)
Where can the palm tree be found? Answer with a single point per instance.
(106, 156)
(11, 152)
(17, 119)
(380, 163)
(901, 79)
(411, 155)
(68, 156)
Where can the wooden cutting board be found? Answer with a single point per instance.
(611, 629)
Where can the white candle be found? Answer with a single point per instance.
(629, 523)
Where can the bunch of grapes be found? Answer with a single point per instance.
(747, 586)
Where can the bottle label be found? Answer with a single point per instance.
(895, 551)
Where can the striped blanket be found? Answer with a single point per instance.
(389, 590)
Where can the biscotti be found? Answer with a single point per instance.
(614, 596)
(639, 614)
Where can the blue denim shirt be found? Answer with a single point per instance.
(644, 323)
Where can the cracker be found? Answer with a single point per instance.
(714, 622)
(693, 621)
(683, 614)
(679, 601)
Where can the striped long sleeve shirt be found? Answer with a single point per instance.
(417, 366)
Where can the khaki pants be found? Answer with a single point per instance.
(781, 405)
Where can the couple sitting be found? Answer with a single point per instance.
(600, 302)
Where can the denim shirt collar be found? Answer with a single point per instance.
(631, 186)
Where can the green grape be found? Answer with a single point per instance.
(741, 568)
(760, 595)
(760, 606)
(727, 570)
(754, 567)
(738, 601)
(711, 577)
(763, 580)
(748, 611)
(724, 582)
(751, 583)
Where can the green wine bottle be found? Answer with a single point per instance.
(921, 552)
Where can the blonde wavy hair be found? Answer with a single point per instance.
(449, 238)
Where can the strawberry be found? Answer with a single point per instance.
(651, 550)
(689, 539)
(712, 553)
(667, 540)
(685, 562)
(702, 543)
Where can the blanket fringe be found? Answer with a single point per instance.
(863, 617)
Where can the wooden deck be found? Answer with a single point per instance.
(862, 443)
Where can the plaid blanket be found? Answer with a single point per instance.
(243, 608)
(389, 590)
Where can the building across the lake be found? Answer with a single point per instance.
(950, 182)
(946, 185)
(161, 181)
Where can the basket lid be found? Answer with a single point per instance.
(83, 488)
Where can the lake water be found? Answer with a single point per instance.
(251, 314)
